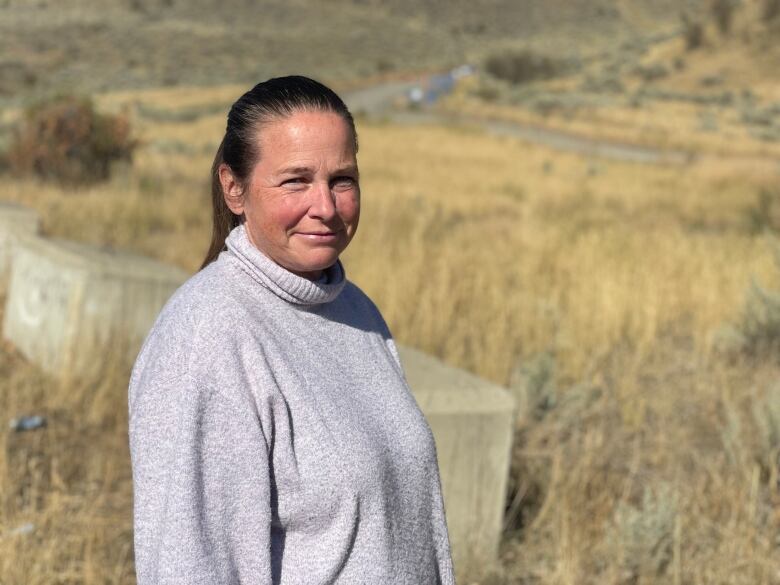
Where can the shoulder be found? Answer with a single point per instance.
(371, 319)
(196, 321)
(356, 309)
(354, 296)
(356, 305)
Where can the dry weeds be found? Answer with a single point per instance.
(652, 457)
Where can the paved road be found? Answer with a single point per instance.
(378, 99)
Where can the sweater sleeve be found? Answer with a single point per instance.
(201, 488)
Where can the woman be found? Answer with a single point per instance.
(273, 437)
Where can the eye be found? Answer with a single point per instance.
(294, 182)
(343, 183)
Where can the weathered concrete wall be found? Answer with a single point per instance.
(15, 221)
(472, 422)
(68, 302)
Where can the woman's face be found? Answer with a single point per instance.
(301, 202)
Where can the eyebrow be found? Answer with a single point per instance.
(295, 171)
(307, 170)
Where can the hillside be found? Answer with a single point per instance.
(88, 45)
(710, 88)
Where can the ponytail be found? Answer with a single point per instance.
(224, 219)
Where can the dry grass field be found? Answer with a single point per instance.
(608, 295)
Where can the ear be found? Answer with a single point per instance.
(231, 190)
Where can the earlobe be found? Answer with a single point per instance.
(231, 190)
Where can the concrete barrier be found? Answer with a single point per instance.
(473, 423)
(67, 302)
(15, 222)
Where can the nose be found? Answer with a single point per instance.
(323, 202)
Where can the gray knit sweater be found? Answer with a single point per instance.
(274, 439)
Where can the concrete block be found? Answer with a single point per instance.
(473, 425)
(69, 304)
(15, 222)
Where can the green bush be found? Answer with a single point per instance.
(66, 140)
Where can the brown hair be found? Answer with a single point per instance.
(270, 100)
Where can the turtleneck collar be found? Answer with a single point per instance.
(286, 285)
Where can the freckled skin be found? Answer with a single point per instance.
(302, 200)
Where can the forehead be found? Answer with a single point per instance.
(306, 134)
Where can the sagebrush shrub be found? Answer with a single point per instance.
(523, 66)
(757, 331)
(533, 384)
(765, 215)
(766, 419)
(641, 536)
(723, 13)
(760, 322)
(66, 140)
(693, 32)
(770, 10)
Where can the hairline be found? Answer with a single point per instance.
(346, 117)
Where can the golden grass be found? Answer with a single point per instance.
(65, 492)
(651, 466)
(549, 251)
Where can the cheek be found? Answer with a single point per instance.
(284, 214)
(349, 208)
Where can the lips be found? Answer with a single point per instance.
(318, 236)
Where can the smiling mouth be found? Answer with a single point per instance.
(319, 236)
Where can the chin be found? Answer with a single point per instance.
(316, 262)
